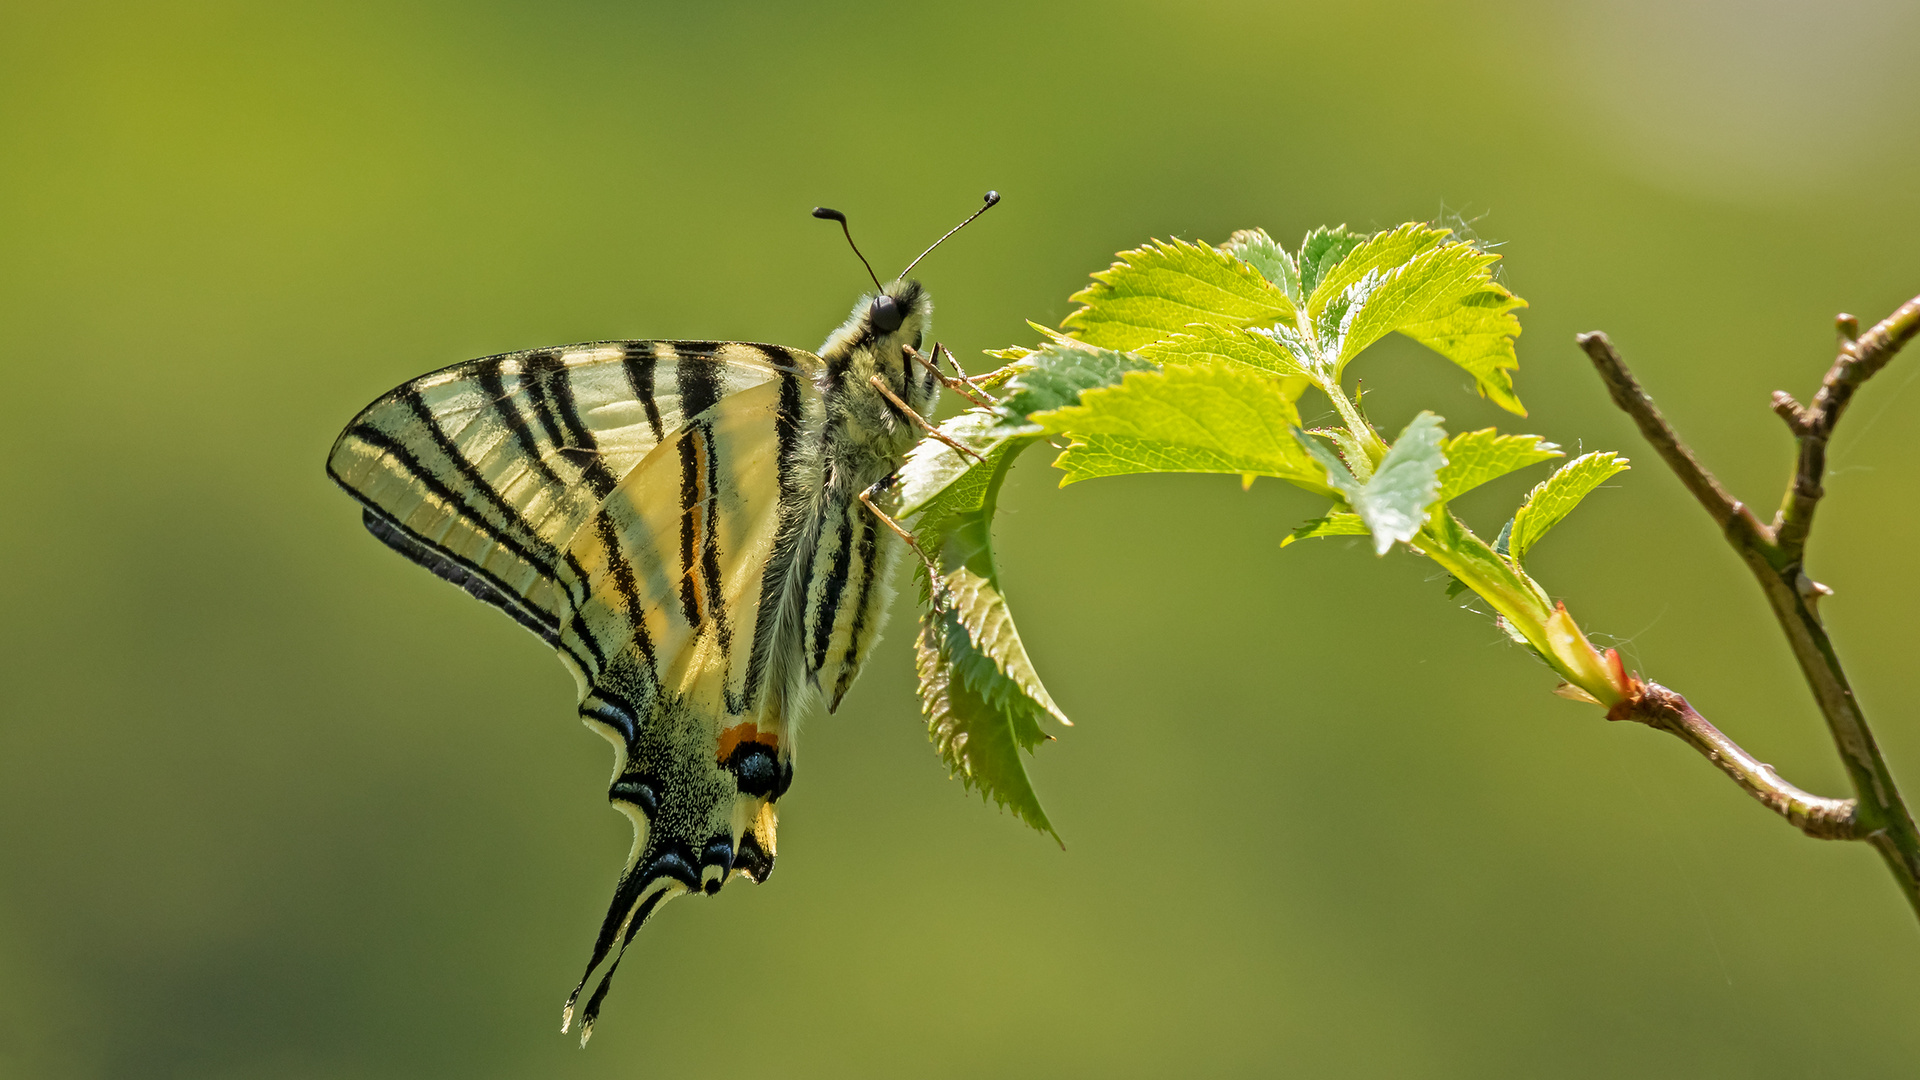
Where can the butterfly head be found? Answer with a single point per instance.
(898, 311)
(884, 325)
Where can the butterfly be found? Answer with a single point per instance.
(691, 526)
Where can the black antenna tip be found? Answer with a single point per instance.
(992, 197)
(828, 214)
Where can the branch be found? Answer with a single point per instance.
(1739, 524)
(1860, 359)
(1817, 816)
(1879, 816)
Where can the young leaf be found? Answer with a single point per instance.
(1338, 523)
(1475, 457)
(1522, 606)
(1057, 373)
(981, 695)
(1256, 248)
(1556, 496)
(937, 482)
(1446, 299)
(979, 739)
(1254, 348)
(1160, 289)
(1212, 418)
(1377, 254)
(1321, 251)
(1394, 503)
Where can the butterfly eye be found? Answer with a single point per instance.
(885, 314)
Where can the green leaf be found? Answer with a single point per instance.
(1211, 418)
(1255, 247)
(983, 700)
(1057, 373)
(1167, 286)
(1443, 297)
(977, 733)
(1475, 457)
(1556, 496)
(1321, 251)
(1338, 523)
(1377, 253)
(1524, 609)
(938, 482)
(1251, 347)
(1393, 504)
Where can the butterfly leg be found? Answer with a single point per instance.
(934, 579)
(962, 385)
(880, 384)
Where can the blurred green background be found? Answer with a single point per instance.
(274, 802)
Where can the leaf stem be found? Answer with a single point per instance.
(1363, 432)
(1774, 556)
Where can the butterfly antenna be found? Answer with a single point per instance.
(827, 214)
(992, 197)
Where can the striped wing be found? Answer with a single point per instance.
(642, 507)
(483, 471)
(690, 571)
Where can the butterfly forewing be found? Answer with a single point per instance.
(483, 471)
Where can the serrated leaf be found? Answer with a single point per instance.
(1444, 297)
(1257, 249)
(978, 689)
(1338, 523)
(937, 481)
(1212, 418)
(975, 602)
(993, 382)
(1394, 503)
(1056, 374)
(1379, 253)
(1166, 286)
(1321, 250)
(1555, 497)
(979, 740)
(1255, 348)
(1475, 457)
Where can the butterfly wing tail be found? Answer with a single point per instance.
(642, 890)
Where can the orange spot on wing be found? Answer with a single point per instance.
(748, 732)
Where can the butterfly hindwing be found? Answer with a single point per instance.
(686, 568)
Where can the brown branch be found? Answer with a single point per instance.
(1730, 513)
(1861, 357)
(1773, 554)
(1817, 816)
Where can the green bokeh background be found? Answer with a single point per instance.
(274, 802)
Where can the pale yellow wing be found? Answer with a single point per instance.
(688, 574)
(483, 471)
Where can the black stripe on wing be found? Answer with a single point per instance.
(559, 415)
(476, 581)
(490, 376)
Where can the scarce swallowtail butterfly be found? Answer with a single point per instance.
(690, 525)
